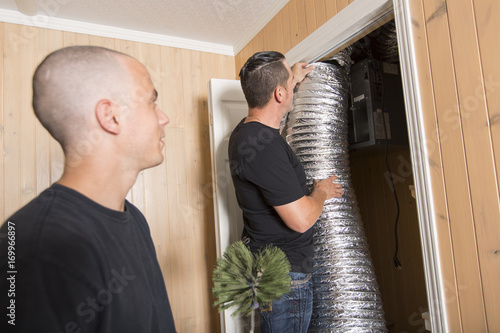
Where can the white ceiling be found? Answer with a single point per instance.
(225, 23)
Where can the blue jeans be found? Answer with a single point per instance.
(292, 312)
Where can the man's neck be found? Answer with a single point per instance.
(106, 186)
(267, 116)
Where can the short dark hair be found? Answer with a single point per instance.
(260, 75)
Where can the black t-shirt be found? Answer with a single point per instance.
(266, 173)
(80, 267)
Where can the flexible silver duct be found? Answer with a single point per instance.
(387, 43)
(346, 294)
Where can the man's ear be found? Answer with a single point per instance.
(107, 115)
(279, 94)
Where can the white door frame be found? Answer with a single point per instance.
(353, 22)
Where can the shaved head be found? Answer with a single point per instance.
(68, 84)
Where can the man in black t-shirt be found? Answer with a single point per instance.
(79, 257)
(270, 185)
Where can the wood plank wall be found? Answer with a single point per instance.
(457, 47)
(175, 196)
(403, 291)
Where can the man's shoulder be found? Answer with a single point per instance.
(27, 217)
(53, 225)
(50, 206)
(254, 138)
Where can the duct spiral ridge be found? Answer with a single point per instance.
(387, 43)
(346, 294)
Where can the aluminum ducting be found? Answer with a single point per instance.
(386, 43)
(346, 294)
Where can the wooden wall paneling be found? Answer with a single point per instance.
(455, 167)
(433, 153)
(171, 83)
(27, 170)
(376, 214)
(487, 33)
(193, 90)
(480, 159)
(388, 204)
(294, 28)
(212, 66)
(12, 118)
(278, 33)
(3, 190)
(182, 246)
(330, 8)
(248, 53)
(369, 188)
(379, 236)
(268, 37)
(376, 232)
(406, 221)
(387, 238)
(341, 4)
(102, 41)
(383, 204)
(406, 250)
(227, 68)
(261, 42)
(369, 218)
(243, 55)
(301, 18)
(310, 12)
(71, 38)
(209, 67)
(320, 12)
(403, 291)
(387, 210)
(176, 214)
(373, 216)
(407, 295)
(415, 268)
(205, 229)
(286, 29)
(207, 224)
(238, 59)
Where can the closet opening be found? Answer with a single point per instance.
(381, 167)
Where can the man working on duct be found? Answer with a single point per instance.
(270, 185)
(84, 258)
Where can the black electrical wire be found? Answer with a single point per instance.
(378, 73)
(397, 264)
(396, 260)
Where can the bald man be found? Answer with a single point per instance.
(79, 257)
